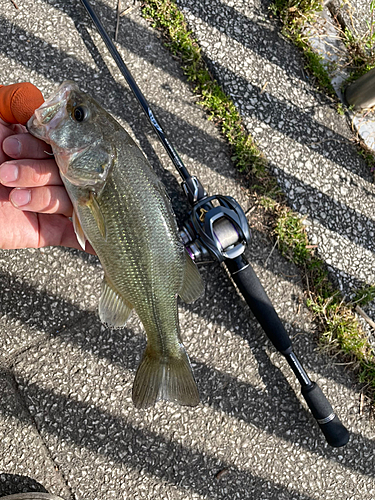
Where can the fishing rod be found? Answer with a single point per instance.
(217, 227)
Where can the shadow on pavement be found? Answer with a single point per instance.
(15, 483)
(331, 213)
(218, 390)
(81, 424)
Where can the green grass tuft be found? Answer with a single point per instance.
(294, 14)
(315, 64)
(291, 236)
(365, 295)
(169, 20)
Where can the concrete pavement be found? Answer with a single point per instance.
(67, 423)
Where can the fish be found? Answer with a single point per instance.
(121, 207)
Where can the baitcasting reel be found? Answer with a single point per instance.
(217, 227)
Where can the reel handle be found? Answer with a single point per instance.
(253, 292)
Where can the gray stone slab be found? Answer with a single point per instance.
(357, 18)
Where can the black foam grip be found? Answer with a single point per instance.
(334, 431)
(255, 295)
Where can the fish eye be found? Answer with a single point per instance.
(79, 113)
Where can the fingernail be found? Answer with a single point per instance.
(8, 173)
(20, 197)
(12, 146)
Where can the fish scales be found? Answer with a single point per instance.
(141, 240)
(122, 209)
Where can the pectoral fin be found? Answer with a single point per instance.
(193, 285)
(114, 310)
(79, 231)
(97, 214)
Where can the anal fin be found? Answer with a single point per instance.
(114, 310)
(193, 285)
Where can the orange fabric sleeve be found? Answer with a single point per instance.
(19, 101)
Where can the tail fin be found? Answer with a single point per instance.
(164, 377)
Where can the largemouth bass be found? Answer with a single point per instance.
(122, 209)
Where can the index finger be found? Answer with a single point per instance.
(26, 146)
(15, 128)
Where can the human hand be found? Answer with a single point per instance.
(34, 205)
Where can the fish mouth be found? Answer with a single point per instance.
(48, 116)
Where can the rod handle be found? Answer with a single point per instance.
(334, 431)
(253, 292)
